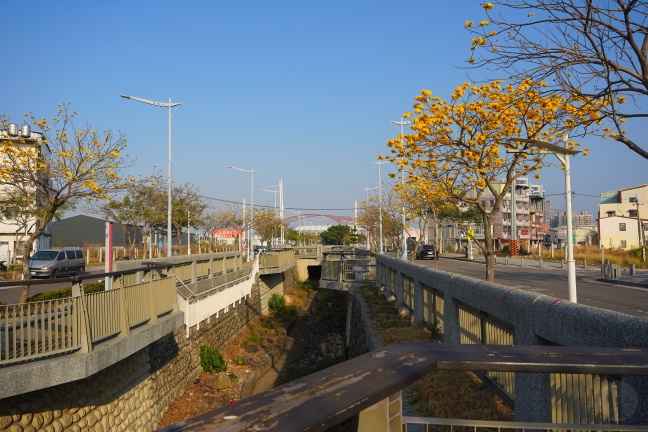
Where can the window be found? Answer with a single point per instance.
(610, 213)
(632, 213)
(622, 226)
(623, 244)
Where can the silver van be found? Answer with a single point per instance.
(52, 263)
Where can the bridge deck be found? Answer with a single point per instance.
(326, 398)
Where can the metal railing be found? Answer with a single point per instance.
(205, 305)
(466, 311)
(348, 267)
(436, 424)
(41, 329)
(370, 387)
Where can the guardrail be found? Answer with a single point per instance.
(74, 324)
(469, 311)
(370, 385)
(207, 304)
(349, 266)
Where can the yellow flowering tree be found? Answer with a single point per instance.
(459, 150)
(596, 50)
(57, 170)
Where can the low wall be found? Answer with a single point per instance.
(534, 319)
(134, 393)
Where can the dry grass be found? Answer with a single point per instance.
(444, 394)
(593, 255)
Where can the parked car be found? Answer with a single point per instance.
(261, 249)
(3, 265)
(51, 263)
(426, 251)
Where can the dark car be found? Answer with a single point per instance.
(426, 252)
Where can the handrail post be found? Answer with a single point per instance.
(419, 313)
(82, 318)
(153, 319)
(124, 326)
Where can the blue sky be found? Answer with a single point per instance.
(301, 91)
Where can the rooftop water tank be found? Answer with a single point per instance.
(25, 131)
(13, 130)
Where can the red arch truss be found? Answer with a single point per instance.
(341, 220)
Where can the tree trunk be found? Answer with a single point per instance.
(489, 253)
(490, 266)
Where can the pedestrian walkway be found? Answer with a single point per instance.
(639, 279)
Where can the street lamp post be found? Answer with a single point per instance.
(168, 105)
(250, 171)
(380, 233)
(562, 154)
(402, 181)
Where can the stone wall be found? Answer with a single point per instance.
(133, 394)
(278, 284)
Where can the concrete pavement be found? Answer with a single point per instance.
(638, 279)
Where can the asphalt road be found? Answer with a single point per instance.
(11, 294)
(553, 282)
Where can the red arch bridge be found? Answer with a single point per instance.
(341, 220)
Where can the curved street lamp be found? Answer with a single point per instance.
(168, 105)
(562, 154)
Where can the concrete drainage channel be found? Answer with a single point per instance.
(313, 342)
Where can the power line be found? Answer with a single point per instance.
(272, 207)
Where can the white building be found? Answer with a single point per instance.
(14, 229)
(623, 217)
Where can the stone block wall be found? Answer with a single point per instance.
(278, 284)
(133, 394)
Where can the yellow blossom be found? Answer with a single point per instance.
(488, 6)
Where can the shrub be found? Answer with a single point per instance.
(288, 313)
(66, 292)
(212, 360)
(252, 339)
(276, 303)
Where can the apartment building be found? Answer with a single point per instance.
(623, 218)
(525, 206)
(15, 228)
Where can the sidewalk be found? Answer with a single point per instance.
(639, 279)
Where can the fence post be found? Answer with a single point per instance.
(151, 301)
(124, 326)
(83, 320)
(419, 313)
(399, 292)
